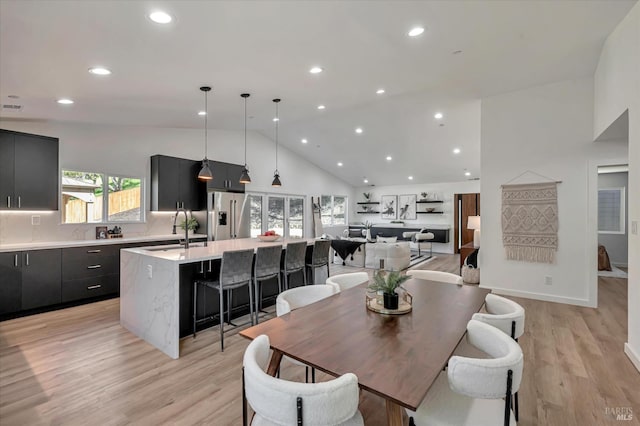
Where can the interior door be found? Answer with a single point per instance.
(465, 205)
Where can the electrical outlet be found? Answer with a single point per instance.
(35, 219)
(149, 271)
(634, 227)
(548, 280)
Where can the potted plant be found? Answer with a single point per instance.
(191, 224)
(388, 284)
(424, 196)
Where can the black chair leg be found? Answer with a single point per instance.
(313, 375)
(306, 374)
(516, 406)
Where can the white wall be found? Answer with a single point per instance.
(548, 130)
(616, 244)
(617, 88)
(440, 191)
(126, 150)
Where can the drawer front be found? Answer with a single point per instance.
(88, 253)
(90, 287)
(88, 268)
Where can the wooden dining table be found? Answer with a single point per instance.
(397, 357)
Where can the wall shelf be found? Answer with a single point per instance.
(430, 212)
(368, 212)
(427, 201)
(368, 202)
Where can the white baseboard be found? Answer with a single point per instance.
(540, 296)
(633, 356)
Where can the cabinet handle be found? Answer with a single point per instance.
(94, 251)
(177, 205)
(182, 204)
(27, 258)
(19, 203)
(15, 260)
(9, 201)
(202, 266)
(94, 266)
(93, 287)
(209, 265)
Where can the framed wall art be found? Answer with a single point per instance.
(389, 207)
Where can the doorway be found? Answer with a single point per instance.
(613, 211)
(464, 205)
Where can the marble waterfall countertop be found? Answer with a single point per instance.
(150, 286)
(43, 245)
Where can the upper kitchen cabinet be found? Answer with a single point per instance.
(175, 184)
(28, 171)
(226, 177)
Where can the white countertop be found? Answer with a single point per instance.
(213, 250)
(79, 243)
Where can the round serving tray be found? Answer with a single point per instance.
(376, 305)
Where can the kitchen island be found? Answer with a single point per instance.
(156, 287)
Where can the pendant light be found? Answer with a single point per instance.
(205, 171)
(244, 177)
(276, 176)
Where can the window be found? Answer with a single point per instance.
(276, 214)
(295, 220)
(255, 206)
(89, 197)
(282, 214)
(611, 206)
(333, 210)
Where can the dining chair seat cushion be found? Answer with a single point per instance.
(274, 400)
(444, 407)
(444, 277)
(344, 282)
(501, 312)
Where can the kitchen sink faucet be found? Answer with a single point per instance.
(186, 227)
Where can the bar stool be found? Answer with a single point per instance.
(294, 256)
(235, 272)
(319, 258)
(265, 267)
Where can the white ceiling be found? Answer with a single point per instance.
(267, 48)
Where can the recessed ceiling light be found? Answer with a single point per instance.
(456, 150)
(160, 17)
(276, 119)
(339, 164)
(316, 70)
(202, 112)
(389, 158)
(99, 71)
(467, 173)
(304, 141)
(358, 130)
(438, 116)
(380, 91)
(321, 106)
(410, 178)
(366, 180)
(65, 101)
(416, 31)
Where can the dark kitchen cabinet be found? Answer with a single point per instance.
(41, 277)
(28, 171)
(226, 177)
(11, 282)
(175, 184)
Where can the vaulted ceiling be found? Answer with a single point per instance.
(469, 50)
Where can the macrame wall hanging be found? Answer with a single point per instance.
(530, 220)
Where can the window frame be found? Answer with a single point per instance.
(105, 204)
(265, 210)
(622, 208)
(333, 206)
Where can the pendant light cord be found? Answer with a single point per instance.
(277, 122)
(206, 115)
(245, 132)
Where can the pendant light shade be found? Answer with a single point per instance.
(244, 177)
(205, 171)
(276, 175)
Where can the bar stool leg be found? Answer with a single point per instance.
(251, 303)
(221, 315)
(304, 277)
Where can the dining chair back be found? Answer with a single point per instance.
(475, 391)
(298, 297)
(319, 258)
(281, 402)
(294, 261)
(346, 281)
(444, 277)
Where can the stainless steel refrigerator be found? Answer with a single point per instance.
(229, 216)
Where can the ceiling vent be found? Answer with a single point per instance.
(11, 107)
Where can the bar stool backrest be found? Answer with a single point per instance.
(294, 256)
(267, 262)
(320, 255)
(236, 267)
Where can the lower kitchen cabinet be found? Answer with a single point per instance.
(41, 276)
(86, 288)
(11, 283)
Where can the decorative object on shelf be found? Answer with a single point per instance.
(429, 209)
(473, 222)
(244, 177)
(101, 232)
(389, 207)
(388, 284)
(407, 207)
(367, 196)
(116, 232)
(205, 171)
(424, 196)
(276, 175)
(269, 237)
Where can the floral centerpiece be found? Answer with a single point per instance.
(388, 284)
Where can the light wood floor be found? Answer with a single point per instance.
(78, 366)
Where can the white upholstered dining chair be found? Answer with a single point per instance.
(297, 297)
(281, 402)
(474, 391)
(346, 281)
(507, 316)
(444, 277)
